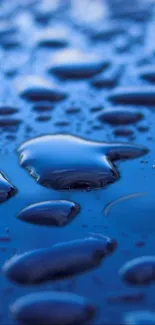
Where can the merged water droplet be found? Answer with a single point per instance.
(139, 271)
(138, 95)
(69, 162)
(7, 190)
(120, 116)
(108, 78)
(50, 213)
(76, 65)
(61, 260)
(53, 308)
(36, 89)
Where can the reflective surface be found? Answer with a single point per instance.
(114, 61)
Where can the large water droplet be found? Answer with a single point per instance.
(61, 260)
(68, 162)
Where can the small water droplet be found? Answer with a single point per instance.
(50, 213)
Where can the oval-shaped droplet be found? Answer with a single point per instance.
(8, 110)
(139, 271)
(76, 65)
(36, 89)
(61, 260)
(52, 308)
(50, 213)
(143, 95)
(42, 107)
(55, 38)
(147, 72)
(120, 116)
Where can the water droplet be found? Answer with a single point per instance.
(7, 123)
(139, 317)
(53, 308)
(61, 260)
(7, 110)
(5, 238)
(45, 10)
(122, 132)
(69, 162)
(52, 37)
(6, 28)
(7, 190)
(62, 123)
(143, 95)
(36, 88)
(10, 41)
(142, 128)
(76, 65)
(147, 72)
(43, 118)
(130, 297)
(122, 44)
(96, 109)
(140, 243)
(50, 213)
(42, 107)
(120, 116)
(109, 78)
(107, 31)
(139, 271)
(72, 110)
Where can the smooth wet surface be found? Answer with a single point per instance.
(126, 47)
